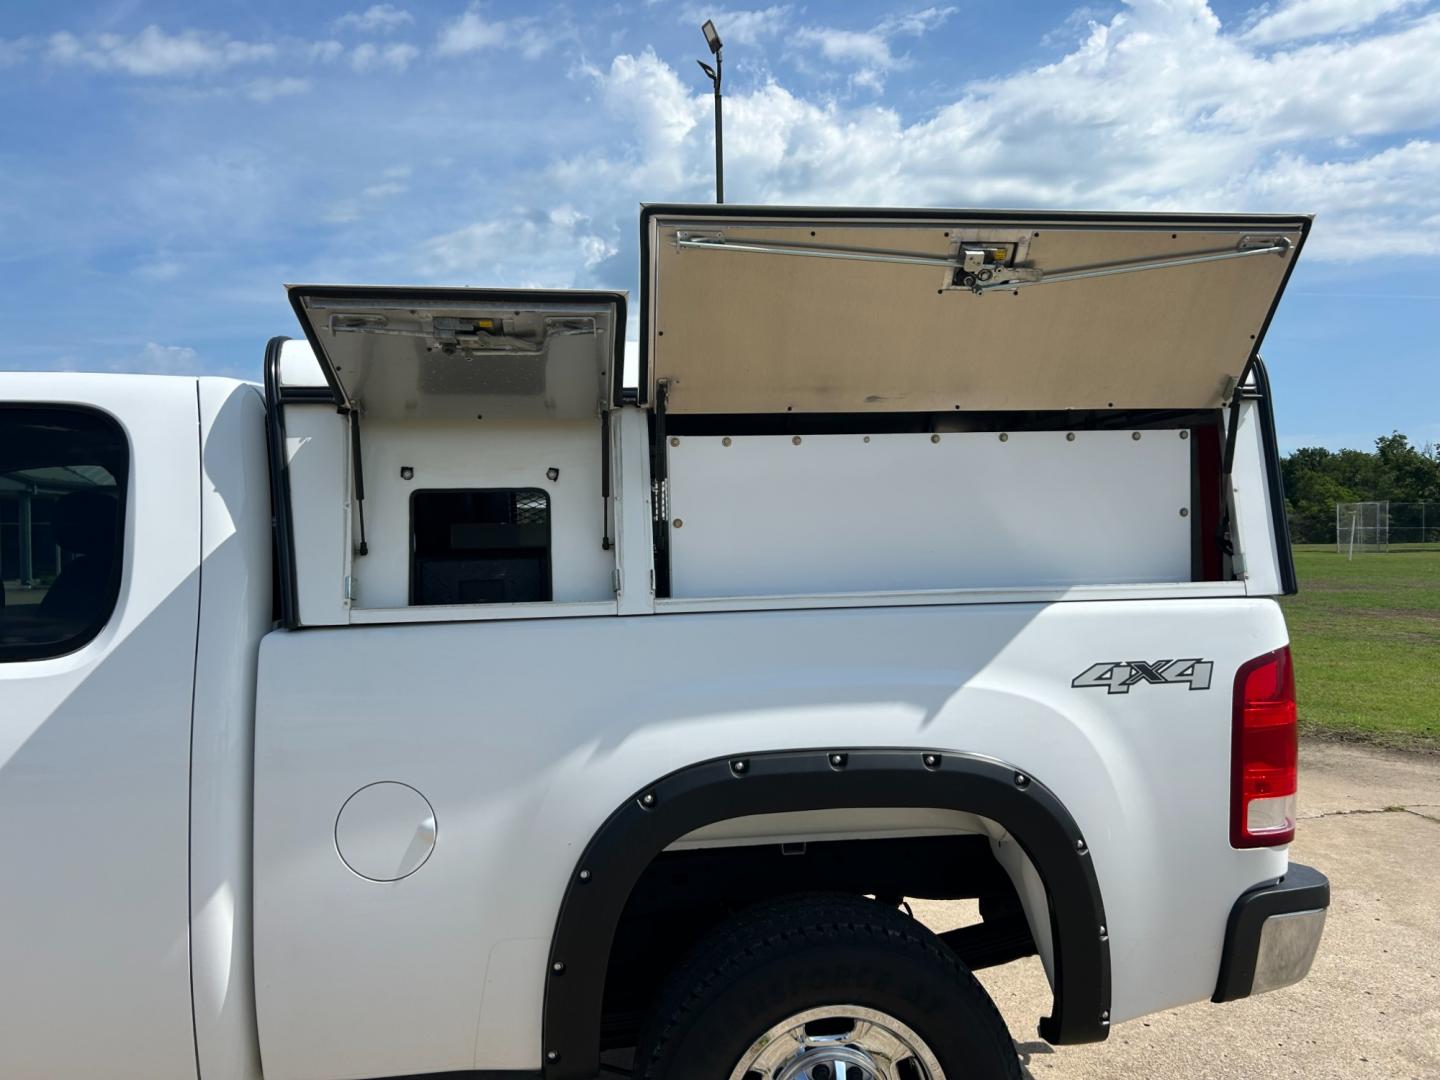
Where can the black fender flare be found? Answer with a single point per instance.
(778, 782)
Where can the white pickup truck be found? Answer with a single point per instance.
(453, 704)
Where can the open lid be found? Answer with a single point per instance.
(445, 354)
(776, 309)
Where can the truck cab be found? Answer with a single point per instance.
(476, 698)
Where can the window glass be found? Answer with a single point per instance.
(62, 496)
(480, 547)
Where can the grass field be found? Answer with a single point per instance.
(1365, 634)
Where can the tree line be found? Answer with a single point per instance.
(1316, 479)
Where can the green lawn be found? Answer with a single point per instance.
(1366, 638)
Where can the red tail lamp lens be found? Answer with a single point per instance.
(1264, 753)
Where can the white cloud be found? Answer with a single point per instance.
(527, 248)
(647, 98)
(1294, 20)
(376, 18)
(13, 51)
(469, 33)
(1158, 108)
(744, 27)
(269, 89)
(1363, 205)
(153, 52)
(392, 182)
(326, 52)
(532, 37)
(157, 359)
(870, 52)
(370, 57)
(160, 268)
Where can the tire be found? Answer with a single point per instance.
(823, 962)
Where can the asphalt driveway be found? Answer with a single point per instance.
(1371, 1006)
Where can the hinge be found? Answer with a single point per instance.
(348, 585)
(660, 499)
(615, 577)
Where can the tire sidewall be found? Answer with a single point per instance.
(886, 977)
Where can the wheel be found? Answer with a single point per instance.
(824, 988)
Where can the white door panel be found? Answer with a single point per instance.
(94, 780)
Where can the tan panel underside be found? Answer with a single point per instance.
(738, 332)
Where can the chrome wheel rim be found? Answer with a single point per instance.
(839, 1042)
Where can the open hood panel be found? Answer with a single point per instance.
(773, 309)
(444, 354)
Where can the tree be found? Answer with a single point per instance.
(1317, 478)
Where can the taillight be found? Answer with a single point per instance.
(1264, 753)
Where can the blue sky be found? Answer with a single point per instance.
(165, 167)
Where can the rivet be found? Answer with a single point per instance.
(584, 875)
(406, 472)
(1021, 780)
(1105, 1015)
(934, 438)
(1079, 845)
(1184, 511)
(867, 438)
(558, 968)
(1104, 932)
(740, 766)
(932, 761)
(1184, 434)
(648, 799)
(674, 441)
(1069, 436)
(837, 761)
(725, 441)
(678, 523)
(796, 440)
(1135, 435)
(1004, 437)
(552, 1055)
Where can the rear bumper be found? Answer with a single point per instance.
(1273, 934)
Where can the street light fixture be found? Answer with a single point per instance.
(712, 39)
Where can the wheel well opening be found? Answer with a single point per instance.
(683, 894)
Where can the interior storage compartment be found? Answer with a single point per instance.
(449, 448)
(884, 401)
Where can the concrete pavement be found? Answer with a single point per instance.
(1370, 820)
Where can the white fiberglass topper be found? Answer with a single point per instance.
(829, 403)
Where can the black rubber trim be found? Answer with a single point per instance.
(1258, 222)
(518, 297)
(306, 395)
(769, 783)
(284, 531)
(1303, 888)
(1274, 477)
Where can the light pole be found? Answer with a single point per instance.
(712, 38)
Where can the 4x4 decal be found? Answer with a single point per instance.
(1118, 676)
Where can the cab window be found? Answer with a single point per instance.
(62, 514)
